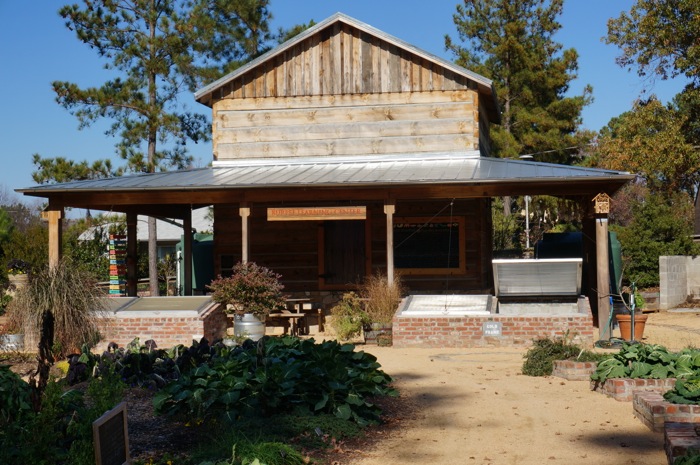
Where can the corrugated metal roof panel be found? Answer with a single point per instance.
(334, 171)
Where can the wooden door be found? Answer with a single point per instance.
(344, 252)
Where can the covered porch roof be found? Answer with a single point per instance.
(437, 175)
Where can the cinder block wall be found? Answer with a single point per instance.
(694, 276)
(679, 279)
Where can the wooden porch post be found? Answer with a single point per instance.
(54, 218)
(389, 210)
(602, 207)
(187, 253)
(132, 242)
(244, 211)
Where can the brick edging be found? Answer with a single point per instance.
(623, 389)
(573, 370)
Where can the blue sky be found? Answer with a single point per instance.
(36, 49)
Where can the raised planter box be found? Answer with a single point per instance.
(655, 412)
(679, 439)
(573, 371)
(623, 389)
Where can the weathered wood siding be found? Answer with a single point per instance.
(345, 92)
(341, 60)
(346, 125)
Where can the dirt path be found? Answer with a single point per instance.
(474, 407)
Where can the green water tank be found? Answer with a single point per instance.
(202, 263)
(615, 254)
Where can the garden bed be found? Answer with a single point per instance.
(679, 439)
(651, 408)
(573, 370)
(623, 389)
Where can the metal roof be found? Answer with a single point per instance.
(346, 172)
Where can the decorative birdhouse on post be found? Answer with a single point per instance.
(602, 203)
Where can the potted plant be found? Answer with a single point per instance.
(348, 317)
(382, 299)
(18, 273)
(250, 294)
(632, 315)
(11, 334)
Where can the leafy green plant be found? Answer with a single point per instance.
(61, 432)
(685, 391)
(14, 396)
(648, 361)
(539, 359)
(250, 289)
(245, 452)
(691, 457)
(349, 316)
(279, 375)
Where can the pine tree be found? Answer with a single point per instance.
(512, 44)
(159, 49)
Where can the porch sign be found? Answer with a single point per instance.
(111, 437)
(492, 328)
(316, 213)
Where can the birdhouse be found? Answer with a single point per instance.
(602, 203)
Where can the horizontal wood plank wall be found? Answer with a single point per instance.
(290, 248)
(443, 121)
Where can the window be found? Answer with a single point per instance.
(429, 245)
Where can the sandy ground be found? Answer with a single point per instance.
(473, 406)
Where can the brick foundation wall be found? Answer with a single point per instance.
(468, 331)
(679, 438)
(574, 371)
(623, 389)
(168, 329)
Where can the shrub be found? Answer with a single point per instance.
(539, 359)
(71, 296)
(349, 316)
(383, 298)
(250, 289)
(660, 226)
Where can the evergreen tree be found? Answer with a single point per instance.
(159, 49)
(60, 169)
(512, 43)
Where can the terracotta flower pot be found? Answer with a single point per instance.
(625, 322)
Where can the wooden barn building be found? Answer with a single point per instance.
(346, 151)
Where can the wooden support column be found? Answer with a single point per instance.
(602, 208)
(244, 211)
(603, 273)
(389, 210)
(54, 218)
(187, 253)
(131, 255)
